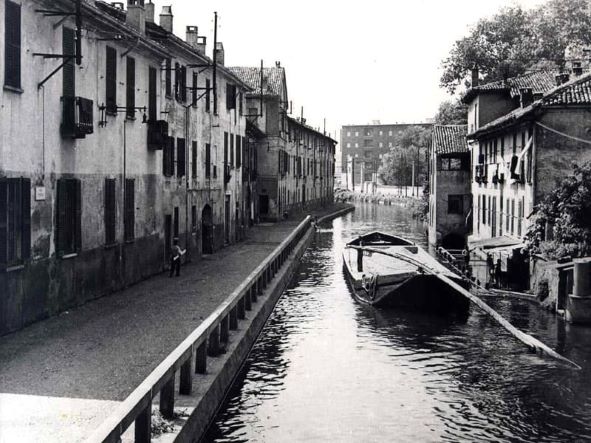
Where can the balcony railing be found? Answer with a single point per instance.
(77, 117)
(157, 134)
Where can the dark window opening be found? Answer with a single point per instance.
(110, 211)
(168, 158)
(194, 159)
(12, 44)
(69, 216)
(15, 220)
(207, 95)
(455, 204)
(152, 109)
(129, 210)
(111, 80)
(207, 160)
(130, 87)
(168, 78)
(180, 151)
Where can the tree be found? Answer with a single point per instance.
(562, 224)
(452, 113)
(514, 40)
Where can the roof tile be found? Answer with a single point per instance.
(448, 139)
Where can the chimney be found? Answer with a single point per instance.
(196, 41)
(136, 15)
(166, 18)
(118, 5)
(577, 69)
(526, 97)
(219, 49)
(562, 78)
(474, 76)
(149, 11)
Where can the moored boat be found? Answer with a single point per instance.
(389, 271)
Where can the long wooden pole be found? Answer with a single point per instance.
(531, 342)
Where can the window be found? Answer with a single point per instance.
(489, 210)
(389, 144)
(110, 211)
(520, 213)
(177, 81)
(207, 95)
(168, 158)
(348, 145)
(194, 90)
(168, 78)
(15, 220)
(194, 159)
(356, 145)
(225, 150)
(455, 204)
(69, 216)
(180, 155)
(381, 132)
(230, 96)
(348, 133)
(390, 133)
(129, 210)
(12, 45)
(508, 216)
(367, 143)
(502, 147)
(238, 152)
(130, 87)
(183, 84)
(231, 150)
(367, 132)
(356, 134)
(111, 80)
(207, 160)
(512, 216)
(381, 144)
(454, 163)
(152, 109)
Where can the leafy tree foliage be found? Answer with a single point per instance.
(410, 147)
(562, 225)
(515, 40)
(452, 113)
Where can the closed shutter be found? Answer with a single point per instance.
(168, 77)
(184, 84)
(14, 202)
(61, 228)
(110, 210)
(180, 150)
(152, 111)
(26, 218)
(111, 79)
(177, 81)
(12, 44)
(207, 95)
(69, 70)
(225, 148)
(194, 90)
(238, 152)
(130, 87)
(77, 187)
(230, 96)
(207, 160)
(194, 159)
(171, 156)
(129, 210)
(231, 150)
(3, 222)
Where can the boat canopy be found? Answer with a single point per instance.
(379, 239)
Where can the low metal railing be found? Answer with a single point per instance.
(205, 341)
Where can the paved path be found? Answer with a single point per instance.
(71, 369)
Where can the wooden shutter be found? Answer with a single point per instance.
(232, 150)
(238, 152)
(12, 44)
(111, 79)
(61, 229)
(194, 90)
(207, 160)
(180, 151)
(230, 96)
(207, 95)
(177, 81)
(110, 210)
(129, 209)
(25, 185)
(184, 83)
(194, 159)
(3, 222)
(168, 77)
(225, 148)
(69, 69)
(77, 188)
(130, 87)
(152, 110)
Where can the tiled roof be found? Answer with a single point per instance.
(252, 77)
(573, 92)
(449, 139)
(539, 81)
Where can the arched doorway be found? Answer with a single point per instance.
(207, 230)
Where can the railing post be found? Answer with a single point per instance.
(247, 303)
(143, 425)
(260, 285)
(241, 310)
(234, 318)
(225, 330)
(201, 359)
(213, 348)
(253, 293)
(167, 398)
(186, 380)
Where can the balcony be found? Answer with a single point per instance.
(157, 134)
(77, 117)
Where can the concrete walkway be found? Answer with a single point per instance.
(62, 376)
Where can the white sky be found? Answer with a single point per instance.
(349, 61)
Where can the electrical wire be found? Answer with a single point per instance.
(556, 131)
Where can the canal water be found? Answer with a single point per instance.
(328, 369)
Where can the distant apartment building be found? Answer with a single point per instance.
(524, 135)
(362, 149)
(450, 199)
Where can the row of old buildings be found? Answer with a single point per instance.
(521, 138)
(117, 136)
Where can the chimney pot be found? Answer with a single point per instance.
(219, 49)
(166, 18)
(136, 15)
(475, 78)
(149, 11)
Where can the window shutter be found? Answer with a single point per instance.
(12, 44)
(130, 87)
(69, 70)
(180, 150)
(194, 90)
(238, 152)
(111, 79)
(78, 218)
(60, 235)
(168, 77)
(152, 111)
(184, 83)
(3, 222)
(171, 156)
(26, 218)
(207, 95)
(177, 80)
(232, 150)
(207, 160)
(194, 159)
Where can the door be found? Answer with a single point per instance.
(207, 230)
(264, 204)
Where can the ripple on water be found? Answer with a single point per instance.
(328, 369)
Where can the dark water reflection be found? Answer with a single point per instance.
(328, 369)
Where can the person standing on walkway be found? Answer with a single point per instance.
(175, 258)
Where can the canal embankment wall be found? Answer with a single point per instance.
(190, 385)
